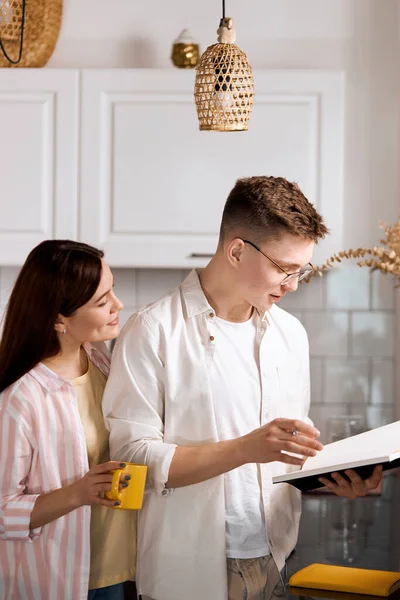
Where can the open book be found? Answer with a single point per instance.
(380, 446)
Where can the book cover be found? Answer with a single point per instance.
(362, 452)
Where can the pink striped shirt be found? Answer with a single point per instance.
(42, 448)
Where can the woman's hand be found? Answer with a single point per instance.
(89, 489)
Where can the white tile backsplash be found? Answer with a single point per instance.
(125, 286)
(382, 381)
(372, 334)
(379, 415)
(328, 332)
(155, 283)
(346, 381)
(308, 296)
(317, 379)
(349, 318)
(347, 287)
(320, 415)
(382, 291)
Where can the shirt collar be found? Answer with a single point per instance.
(47, 378)
(193, 296)
(195, 301)
(53, 382)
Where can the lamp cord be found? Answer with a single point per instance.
(15, 62)
(223, 14)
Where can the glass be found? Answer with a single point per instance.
(344, 426)
(304, 271)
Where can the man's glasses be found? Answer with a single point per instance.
(304, 271)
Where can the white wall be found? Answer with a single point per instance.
(358, 36)
(349, 315)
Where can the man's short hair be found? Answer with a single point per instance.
(264, 208)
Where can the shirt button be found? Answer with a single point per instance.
(164, 492)
(211, 315)
(212, 338)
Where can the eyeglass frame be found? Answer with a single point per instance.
(289, 276)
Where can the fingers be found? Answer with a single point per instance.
(326, 482)
(98, 488)
(104, 501)
(102, 478)
(299, 443)
(362, 487)
(111, 465)
(340, 486)
(298, 449)
(376, 478)
(359, 486)
(354, 486)
(289, 425)
(105, 486)
(290, 460)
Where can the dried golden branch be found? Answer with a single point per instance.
(384, 258)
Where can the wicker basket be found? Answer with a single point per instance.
(41, 29)
(224, 89)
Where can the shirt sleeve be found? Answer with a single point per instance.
(133, 402)
(16, 506)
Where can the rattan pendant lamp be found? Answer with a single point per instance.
(28, 31)
(224, 86)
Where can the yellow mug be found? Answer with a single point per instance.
(131, 497)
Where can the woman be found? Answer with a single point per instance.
(58, 535)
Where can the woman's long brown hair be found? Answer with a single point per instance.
(57, 278)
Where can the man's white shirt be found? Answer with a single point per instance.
(160, 395)
(236, 391)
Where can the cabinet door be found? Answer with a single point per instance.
(38, 159)
(153, 186)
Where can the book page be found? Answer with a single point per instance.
(378, 443)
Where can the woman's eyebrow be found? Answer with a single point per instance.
(102, 296)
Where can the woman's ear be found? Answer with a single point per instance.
(60, 325)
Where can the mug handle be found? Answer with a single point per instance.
(114, 493)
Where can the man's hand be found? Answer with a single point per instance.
(356, 486)
(270, 442)
(193, 464)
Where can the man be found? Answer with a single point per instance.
(209, 387)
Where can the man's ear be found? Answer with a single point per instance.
(235, 251)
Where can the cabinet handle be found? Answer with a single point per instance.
(200, 255)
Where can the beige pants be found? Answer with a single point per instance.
(252, 579)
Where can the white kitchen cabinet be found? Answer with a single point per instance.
(115, 158)
(39, 115)
(152, 186)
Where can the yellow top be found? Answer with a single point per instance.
(112, 532)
